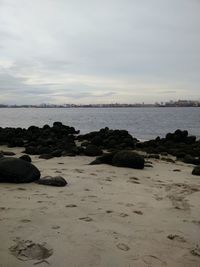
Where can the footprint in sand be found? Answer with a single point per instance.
(178, 193)
(123, 246)
(123, 215)
(109, 211)
(176, 238)
(133, 180)
(21, 188)
(25, 221)
(196, 251)
(28, 250)
(79, 170)
(139, 212)
(55, 227)
(129, 205)
(108, 179)
(86, 219)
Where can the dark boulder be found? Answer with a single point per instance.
(13, 170)
(97, 140)
(128, 159)
(191, 160)
(26, 158)
(92, 150)
(57, 153)
(196, 170)
(104, 159)
(53, 181)
(31, 150)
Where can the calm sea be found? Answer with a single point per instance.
(143, 123)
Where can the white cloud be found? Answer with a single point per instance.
(71, 50)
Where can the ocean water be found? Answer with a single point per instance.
(142, 123)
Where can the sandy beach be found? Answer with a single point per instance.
(106, 216)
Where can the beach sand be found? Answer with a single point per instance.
(106, 216)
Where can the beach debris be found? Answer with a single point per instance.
(25, 250)
(13, 170)
(52, 181)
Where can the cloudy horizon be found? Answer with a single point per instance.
(99, 51)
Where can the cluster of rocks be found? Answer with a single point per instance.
(109, 139)
(61, 140)
(179, 144)
(47, 141)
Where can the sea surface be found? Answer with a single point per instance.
(142, 123)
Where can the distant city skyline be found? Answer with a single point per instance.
(171, 103)
(116, 51)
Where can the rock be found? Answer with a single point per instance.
(153, 156)
(191, 160)
(128, 159)
(104, 159)
(13, 170)
(57, 153)
(31, 150)
(46, 156)
(8, 153)
(26, 158)
(196, 170)
(53, 181)
(97, 140)
(92, 150)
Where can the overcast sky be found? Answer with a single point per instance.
(91, 51)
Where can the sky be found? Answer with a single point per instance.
(91, 51)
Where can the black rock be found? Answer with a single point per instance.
(53, 181)
(196, 170)
(8, 153)
(191, 160)
(92, 150)
(128, 159)
(26, 158)
(104, 159)
(13, 170)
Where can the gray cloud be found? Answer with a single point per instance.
(124, 51)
